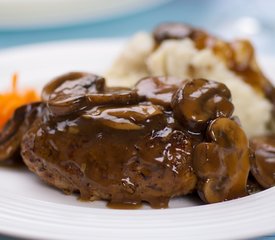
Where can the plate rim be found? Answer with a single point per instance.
(12, 50)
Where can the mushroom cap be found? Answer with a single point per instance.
(200, 101)
(172, 31)
(222, 164)
(74, 84)
(263, 164)
(77, 91)
(66, 94)
(159, 90)
(131, 117)
(179, 31)
(114, 96)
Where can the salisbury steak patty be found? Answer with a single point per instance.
(152, 163)
(116, 146)
(132, 145)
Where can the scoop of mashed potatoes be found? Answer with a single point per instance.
(180, 58)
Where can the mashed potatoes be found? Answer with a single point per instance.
(181, 59)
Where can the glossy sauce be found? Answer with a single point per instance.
(130, 146)
(124, 206)
(239, 56)
(128, 156)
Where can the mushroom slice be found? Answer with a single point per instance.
(222, 164)
(172, 31)
(78, 91)
(67, 93)
(200, 101)
(159, 90)
(124, 118)
(12, 133)
(179, 31)
(263, 165)
(114, 96)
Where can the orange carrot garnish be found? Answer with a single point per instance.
(11, 100)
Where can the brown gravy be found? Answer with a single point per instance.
(124, 206)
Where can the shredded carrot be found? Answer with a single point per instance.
(13, 99)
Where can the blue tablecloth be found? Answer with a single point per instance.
(213, 15)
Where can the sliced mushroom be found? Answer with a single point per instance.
(200, 101)
(12, 133)
(263, 165)
(171, 31)
(124, 118)
(222, 164)
(159, 90)
(74, 84)
(77, 91)
(177, 31)
(67, 93)
(114, 96)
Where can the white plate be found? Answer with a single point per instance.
(31, 209)
(15, 14)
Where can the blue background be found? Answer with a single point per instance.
(219, 17)
(215, 15)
